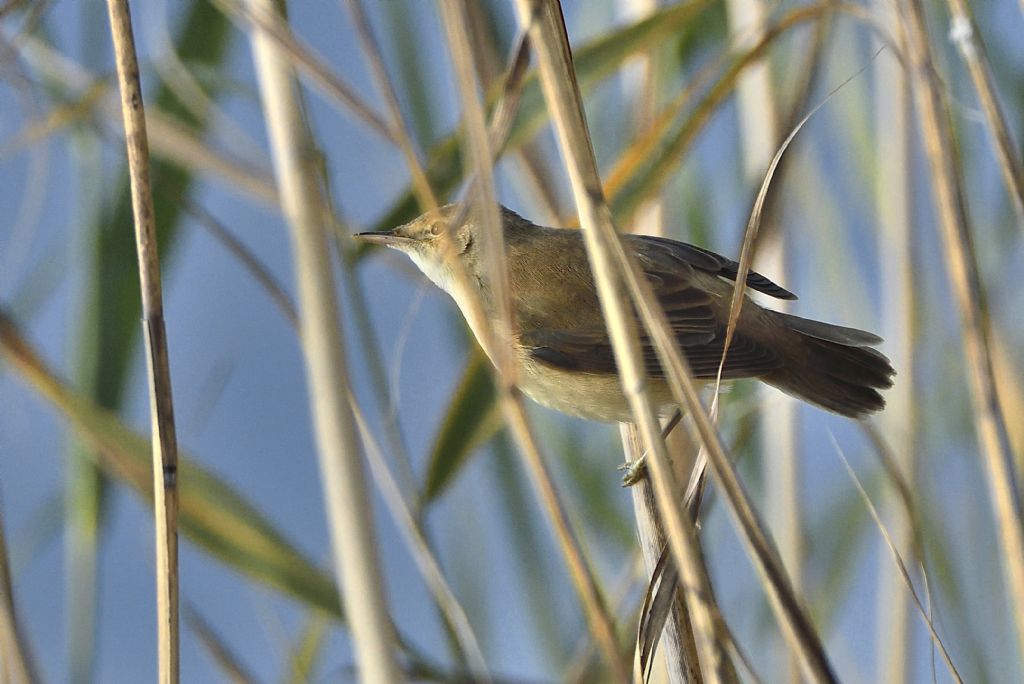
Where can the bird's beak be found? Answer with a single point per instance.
(387, 238)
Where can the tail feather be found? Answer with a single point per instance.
(835, 368)
(851, 337)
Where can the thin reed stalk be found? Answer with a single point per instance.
(374, 57)
(15, 659)
(963, 32)
(349, 515)
(168, 138)
(677, 641)
(622, 604)
(428, 566)
(300, 56)
(161, 404)
(424, 193)
(635, 176)
(563, 98)
(780, 450)
(897, 557)
(260, 273)
(894, 646)
(961, 265)
(903, 496)
(561, 93)
(595, 610)
(796, 625)
(681, 659)
(1011, 394)
(479, 157)
(230, 664)
(455, 24)
(535, 177)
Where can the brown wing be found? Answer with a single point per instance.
(588, 351)
(664, 249)
(699, 331)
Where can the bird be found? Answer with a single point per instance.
(561, 343)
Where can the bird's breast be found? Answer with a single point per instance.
(587, 395)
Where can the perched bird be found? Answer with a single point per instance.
(561, 342)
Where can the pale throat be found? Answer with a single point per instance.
(439, 272)
(441, 275)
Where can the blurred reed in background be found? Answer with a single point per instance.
(896, 208)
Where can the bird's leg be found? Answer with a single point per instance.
(636, 470)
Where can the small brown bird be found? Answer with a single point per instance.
(562, 346)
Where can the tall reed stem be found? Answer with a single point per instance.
(349, 514)
(161, 404)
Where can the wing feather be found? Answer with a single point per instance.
(659, 248)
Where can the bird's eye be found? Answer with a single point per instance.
(435, 229)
